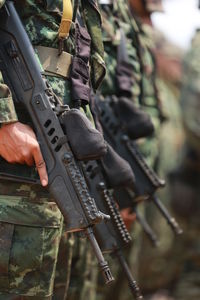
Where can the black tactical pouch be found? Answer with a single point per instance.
(117, 170)
(135, 122)
(86, 142)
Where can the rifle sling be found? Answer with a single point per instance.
(66, 20)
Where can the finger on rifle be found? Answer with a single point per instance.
(40, 165)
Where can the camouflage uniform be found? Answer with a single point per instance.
(141, 58)
(150, 149)
(31, 223)
(157, 266)
(185, 185)
(144, 96)
(84, 272)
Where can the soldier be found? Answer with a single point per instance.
(185, 191)
(115, 15)
(168, 58)
(150, 101)
(110, 10)
(31, 223)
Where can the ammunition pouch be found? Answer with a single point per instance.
(79, 74)
(134, 121)
(124, 69)
(86, 142)
(124, 75)
(79, 78)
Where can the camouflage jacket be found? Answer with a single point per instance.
(29, 210)
(140, 56)
(113, 18)
(41, 20)
(139, 48)
(7, 109)
(190, 94)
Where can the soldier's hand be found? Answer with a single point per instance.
(18, 144)
(128, 216)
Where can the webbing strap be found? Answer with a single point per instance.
(66, 20)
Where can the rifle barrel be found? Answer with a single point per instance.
(147, 229)
(102, 263)
(171, 221)
(131, 281)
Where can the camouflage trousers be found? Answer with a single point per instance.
(120, 290)
(30, 232)
(15, 297)
(63, 267)
(84, 272)
(187, 283)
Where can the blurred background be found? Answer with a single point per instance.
(179, 22)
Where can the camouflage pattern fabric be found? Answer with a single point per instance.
(144, 96)
(111, 38)
(30, 234)
(41, 23)
(143, 75)
(187, 183)
(139, 44)
(93, 21)
(159, 266)
(84, 272)
(31, 224)
(191, 90)
(7, 109)
(150, 97)
(17, 297)
(63, 267)
(120, 289)
(177, 261)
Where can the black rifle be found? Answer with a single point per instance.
(22, 73)
(111, 235)
(146, 181)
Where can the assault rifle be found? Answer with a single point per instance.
(111, 235)
(146, 181)
(21, 71)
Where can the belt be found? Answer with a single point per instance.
(52, 63)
